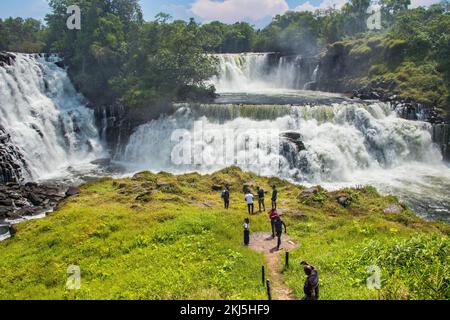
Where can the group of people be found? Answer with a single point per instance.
(311, 287)
(249, 198)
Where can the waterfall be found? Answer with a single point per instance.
(257, 72)
(338, 139)
(46, 118)
(335, 145)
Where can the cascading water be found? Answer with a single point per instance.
(46, 118)
(334, 142)
(257, 72)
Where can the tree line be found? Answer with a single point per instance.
(142, 63)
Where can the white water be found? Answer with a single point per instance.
(346, 143)
(252, 72)
(46, 118)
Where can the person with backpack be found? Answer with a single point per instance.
(249, 200)
(246, 231)
(226, 197)
(311, 287)
(274, 197)
(260, 193)
(278, 224)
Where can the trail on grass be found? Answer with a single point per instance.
(263, 242)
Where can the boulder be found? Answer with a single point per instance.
(344, 201)
(216, 188)
(309, 192)
(393, 209)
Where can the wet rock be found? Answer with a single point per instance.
(295, 138)
(393, 209)
(7, 59)
(6, 202)
(73, 191)
(18, 200)
(102, 162)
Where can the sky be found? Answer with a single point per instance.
(256, 12)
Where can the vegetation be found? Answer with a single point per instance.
(147, 65)
(160, 236)
(17, 34)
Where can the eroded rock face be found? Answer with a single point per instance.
(13, 167)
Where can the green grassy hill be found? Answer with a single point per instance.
(167, 237)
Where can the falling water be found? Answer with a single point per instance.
(46, 118)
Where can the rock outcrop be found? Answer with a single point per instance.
(6, 59)
(30, 199)
(13, 166)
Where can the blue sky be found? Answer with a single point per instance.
(257, 12)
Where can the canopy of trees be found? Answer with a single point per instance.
(139, 63)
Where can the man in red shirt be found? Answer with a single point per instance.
(272, 216)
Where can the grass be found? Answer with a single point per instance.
(167, 237)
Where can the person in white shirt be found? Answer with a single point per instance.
(249, 200)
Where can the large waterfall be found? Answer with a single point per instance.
(258, 72)
(337, 143)
(45, 118)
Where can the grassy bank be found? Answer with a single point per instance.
(167, 237)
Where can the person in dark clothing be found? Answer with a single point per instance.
(274, 197)
(261, 199)
(278, 224)
(311, 287)
(226, 197)
(246, 231)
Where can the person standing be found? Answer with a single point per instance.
(278, 224)
(226, 197)
(274, 197)
(272, 215)
(311, 287)
(249, 200)
(260, 193)
(246, 231)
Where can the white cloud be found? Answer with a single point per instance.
(325, 4)
(238, 10)
(422, 3)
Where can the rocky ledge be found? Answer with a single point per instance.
(31, 199)
(406, 108)
(13, 166)
(6, 59)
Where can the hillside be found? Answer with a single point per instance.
(167, 237)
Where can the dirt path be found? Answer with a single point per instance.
(263, 242)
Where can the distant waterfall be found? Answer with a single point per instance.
(45, 117)
(256, 72)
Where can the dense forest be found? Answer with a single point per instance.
(147, 63)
